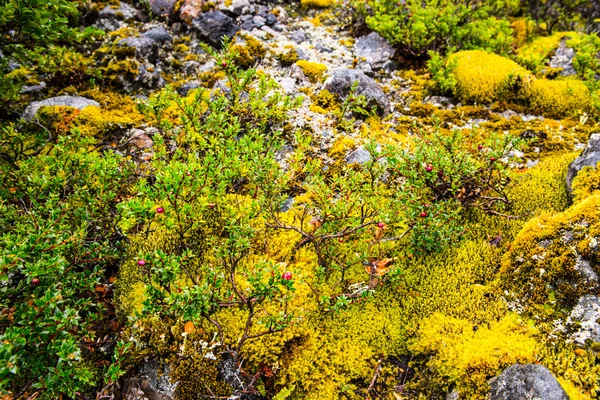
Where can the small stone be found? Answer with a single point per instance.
(189, 10)
(121, 12)
(34, 88)
(589, 157)
(527, 382)
(341, 81)
(162, 8)
(186, 87)
(374, 49)
(145, 48)
(259, 21)
(563, 58)
(359, 156)
(299, 36)
(214, 26)
(159, 35)
(248, 25)
(323, 49)
(271, 19)
(288, 85)
(77, 102)
(587, 314)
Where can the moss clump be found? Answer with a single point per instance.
(314, 71)
(317, 3)
(288, 57)
(553, 257)
(248, 53)
(469, 354)
(483, 77)
(586, 183)
(558, 98)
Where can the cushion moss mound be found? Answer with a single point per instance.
(483, 77)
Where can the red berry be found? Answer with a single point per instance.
(380, 225)
(141, 263)
(224, 64)
(423, 214)
(160, 210)
(429, 168)
(341, 240)
(211, 205)
(440, 173)
(480, 147)
(35, 281)
(286, 276)
(492, 159)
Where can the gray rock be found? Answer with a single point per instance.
(60, 101)
(186, 87)
(374, 49)
(259, 21)
(145, 48)
(214, 26)
(248, 25)
(162, 8)
(589, 157)
(34, 88)
(159, 35)
(147, 79)
(587, 313)
(323, 49)
(526, 382)
(299, 36)
(121, 12)
(584, 267)
(287, 204)
(359, 156)
(341, 80)
(236, 8)
(271, 19)
(563, 58)
(288, 85)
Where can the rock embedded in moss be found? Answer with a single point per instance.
(528, 381)
(587, 314)
(563, 58)
(214, 26)
(589, 157)
(145, 48)
(159, 34)
(374, 49)
(77, 102)
(341, 80)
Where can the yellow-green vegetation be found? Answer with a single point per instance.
(317, 3)
(551, 259)
(557, 98)
(483, 77)
(248, 53)
(314, 71)
(468, 354)
(532, 55)
(288, 57)
(586, 183)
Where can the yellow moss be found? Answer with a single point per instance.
(341, 146)
(249, 53)
(288, 57)
(558, 98)
(314, 71)
(181, 48)
(470, 354)
(483, 77)
(586, 182)
(523, 29)
(541, 267)
(534, 53)
(317, 3)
